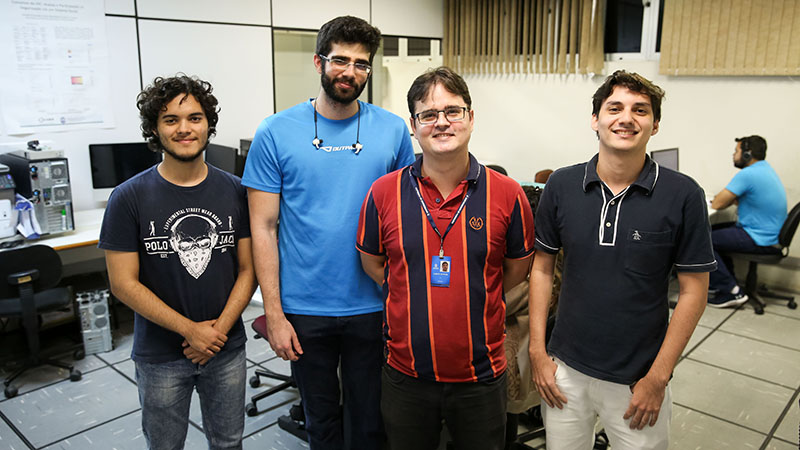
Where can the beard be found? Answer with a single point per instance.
(337, 95)
(186, 157)
(739, 163)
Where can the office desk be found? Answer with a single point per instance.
(86, 232)
(716, 216)
(78, 248)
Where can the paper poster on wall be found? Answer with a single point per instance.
(55, 66)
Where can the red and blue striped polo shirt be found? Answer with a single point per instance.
(455, 333)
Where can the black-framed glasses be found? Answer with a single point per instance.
(451, 113)
(341, 64)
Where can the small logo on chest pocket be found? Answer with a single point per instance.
(476, 223)
(636, 235)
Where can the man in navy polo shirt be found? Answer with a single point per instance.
(623, 222)
(444, 237)
(762, 210)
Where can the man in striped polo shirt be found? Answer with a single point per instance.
(455, 236)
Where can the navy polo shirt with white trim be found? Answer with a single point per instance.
(619, 251)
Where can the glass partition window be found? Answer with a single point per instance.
(397, 63)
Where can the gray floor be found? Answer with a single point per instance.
(101, 411)
(736, 387)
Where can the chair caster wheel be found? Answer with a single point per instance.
(255, 382)
(792, 305)
(75, 375)
(297, 414)
(251, 410)
(79, 354)
(10, 391)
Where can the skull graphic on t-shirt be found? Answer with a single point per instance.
(193, 237)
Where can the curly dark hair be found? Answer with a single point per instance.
(635, 83)
(348, 30)
(443, 75)
(154, 99)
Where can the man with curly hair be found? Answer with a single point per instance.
(313, 164)
(177, 245)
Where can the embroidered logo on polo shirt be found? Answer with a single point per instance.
(476, 223)
(636, 235)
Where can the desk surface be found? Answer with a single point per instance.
(85, 234)
(716, 216)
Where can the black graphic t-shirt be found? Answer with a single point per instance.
(186, 239)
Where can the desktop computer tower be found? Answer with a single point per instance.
(43, 178)
(95, 318)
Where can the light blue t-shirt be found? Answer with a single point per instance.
(762, 202)
(321, 195)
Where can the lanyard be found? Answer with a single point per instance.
(470, 190)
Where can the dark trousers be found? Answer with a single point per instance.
(357, 343)
(731, 238)
(413, 410)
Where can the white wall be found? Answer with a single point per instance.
(311, 14)
(525, 123)
(240, 74)
(529, 123)
(420, 18)
(229, 45)
(124, 74)
(255, 12)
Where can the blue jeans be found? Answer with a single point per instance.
(165, 393)
(413, 410)
(731, 238)
(357, 343)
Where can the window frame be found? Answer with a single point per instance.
(648, 39)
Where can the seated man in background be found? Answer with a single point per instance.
(762, 211)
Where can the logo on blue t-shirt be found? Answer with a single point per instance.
(341, 148)
(194, 234)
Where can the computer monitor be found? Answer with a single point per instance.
(666, 158)
(114, 163)
(225, 158)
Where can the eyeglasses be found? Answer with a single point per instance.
(342, 64)
(451, 113)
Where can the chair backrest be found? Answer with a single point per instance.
(789, 227)
(497, 168)
(40, 257)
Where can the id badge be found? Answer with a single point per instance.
(440, 271)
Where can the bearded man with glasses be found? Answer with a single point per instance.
(312, 164)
